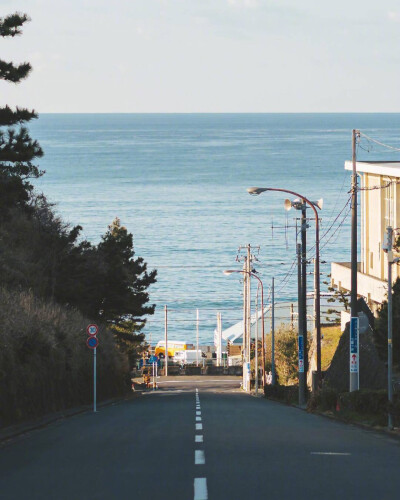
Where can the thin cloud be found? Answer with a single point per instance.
(394, 16)
(246, 4)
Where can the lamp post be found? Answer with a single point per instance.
(256, 345)
(317, 287)
(390, 260)
(230, 271)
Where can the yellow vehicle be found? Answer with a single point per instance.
(173, 346)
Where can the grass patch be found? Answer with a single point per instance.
(330, 342)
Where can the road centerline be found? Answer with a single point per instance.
(199, 457)
(200, 488)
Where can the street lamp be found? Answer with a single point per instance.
(391, 261)
(227, 272)
(258, 190)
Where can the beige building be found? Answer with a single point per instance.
(380, 208)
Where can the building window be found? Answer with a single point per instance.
(389, 204)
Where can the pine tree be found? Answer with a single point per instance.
(125, 297)
(17, 149)
(124, 283)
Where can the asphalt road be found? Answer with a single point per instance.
(215, 443)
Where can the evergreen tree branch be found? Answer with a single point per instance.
(18, 147)
(9, 117)
(12, 73)
(11, 25)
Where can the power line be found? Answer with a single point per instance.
(385, 186)
(379, 142)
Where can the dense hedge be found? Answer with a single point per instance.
(368, 403)
(45, 365)
(284, 393)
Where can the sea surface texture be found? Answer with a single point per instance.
(178, 183)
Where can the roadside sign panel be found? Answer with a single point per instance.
(301, 353)
(92, 342)
(153, 359)
(354, 355)
(92, 329)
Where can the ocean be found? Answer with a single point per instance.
(178, 183)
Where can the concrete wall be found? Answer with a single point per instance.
(372, 289)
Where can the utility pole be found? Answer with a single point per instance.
(273, 332)
(354, 348)
(390, 323)
(219, 339)
(247, 269)
(197, 337)
(300, 344)
(256, 345)
(166, 339)
(244, 344)
(292, 316)
(304, 227)
(248, 262)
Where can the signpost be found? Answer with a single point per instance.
(354, 352)
(154, 363)
(92, 342)
(92, 330)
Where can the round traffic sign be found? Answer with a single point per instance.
(92, 342)
(92, 329)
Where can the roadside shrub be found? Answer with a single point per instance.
(371, 405)
(285, 393)
(286, 356)
(324, 400)
(363, 401)
(45, 365)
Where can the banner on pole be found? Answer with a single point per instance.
(354, 353)
(301, 353)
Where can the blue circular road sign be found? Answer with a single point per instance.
(92, 342)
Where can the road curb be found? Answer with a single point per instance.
(13, 431)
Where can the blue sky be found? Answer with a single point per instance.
(207, 56)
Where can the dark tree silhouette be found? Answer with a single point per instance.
(17, 149)
(381, 326)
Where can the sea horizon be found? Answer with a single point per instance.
(178, 182)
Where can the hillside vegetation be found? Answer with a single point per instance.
(53, 283)
(45, 364)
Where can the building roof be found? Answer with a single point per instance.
(389, 168)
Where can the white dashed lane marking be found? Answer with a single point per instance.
(199, 457)
(200, 483)
(200, 488)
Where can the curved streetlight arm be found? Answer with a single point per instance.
(258, 190)
(255, 191)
